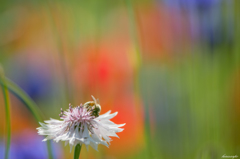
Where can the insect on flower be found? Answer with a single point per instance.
(81, 125)
(96, 108)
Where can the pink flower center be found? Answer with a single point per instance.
(79, 114)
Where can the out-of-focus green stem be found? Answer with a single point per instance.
(133, 31)
(138, 63)
(77, 151)
(29, 103)
(8, 114)
(21, 95)
(62, 56)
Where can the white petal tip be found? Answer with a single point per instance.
(122, 125)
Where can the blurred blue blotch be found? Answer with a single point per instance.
(207, 19)
(28, 145)
(32, 74)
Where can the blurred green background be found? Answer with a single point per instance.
(169, 67)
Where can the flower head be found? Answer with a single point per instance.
(81, 125)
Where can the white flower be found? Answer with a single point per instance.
(81, 125)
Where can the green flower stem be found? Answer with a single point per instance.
(77, 151)
(29, 103)
(8, 114)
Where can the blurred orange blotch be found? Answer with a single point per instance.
(28, 27)
(105, 71)
(131, 139)
(104, 68)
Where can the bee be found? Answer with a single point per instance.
(94, 106)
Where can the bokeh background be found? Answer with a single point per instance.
(171, 68)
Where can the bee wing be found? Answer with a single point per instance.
(94, 99)
(98, 101)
